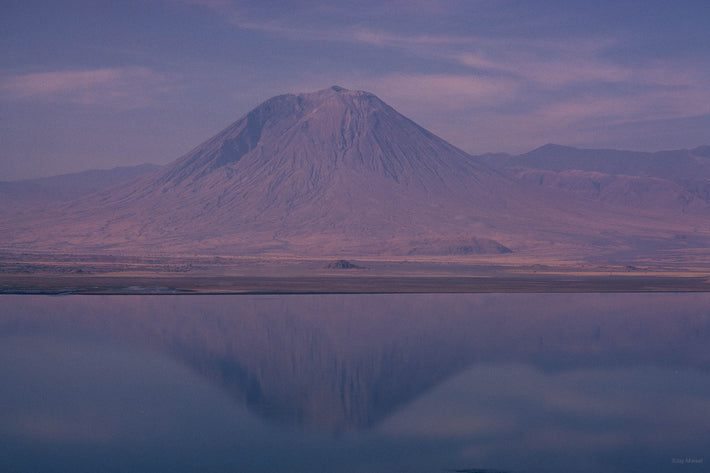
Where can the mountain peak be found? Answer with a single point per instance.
(550, 147)
(351, 98)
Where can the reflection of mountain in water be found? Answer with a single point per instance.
(346, 362)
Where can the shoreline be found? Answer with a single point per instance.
(95, 274)
(337, 284)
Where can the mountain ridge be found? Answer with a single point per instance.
(677, 180)
(69, 186)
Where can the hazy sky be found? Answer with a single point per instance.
(98, 84)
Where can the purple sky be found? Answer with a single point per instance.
(98, 84)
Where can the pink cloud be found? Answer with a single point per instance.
(446, 92)
(382, 38)
(129, 87)
(472, 112)
(549, 73)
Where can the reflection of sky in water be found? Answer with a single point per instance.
(355, 383)
(502, 413)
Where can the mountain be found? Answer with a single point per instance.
(674, 165)
(340, 172)
(677, 180)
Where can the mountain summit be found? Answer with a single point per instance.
(333, 172)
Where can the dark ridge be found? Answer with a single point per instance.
(71, 186)
(479, 470)
(703, 151)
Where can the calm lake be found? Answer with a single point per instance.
(356, 383)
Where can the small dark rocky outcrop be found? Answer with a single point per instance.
(341, 264)
(473, 246)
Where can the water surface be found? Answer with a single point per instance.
(356, 383)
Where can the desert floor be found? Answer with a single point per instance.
(96, 274)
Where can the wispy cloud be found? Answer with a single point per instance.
(123, 88)
(650, 105)
(446, 92)
(290, 32)
(576, 120)
(343, 27)
(541, 62)
(550, 72)
(383, 38)
(539, 90)
(476, 85)
(483, 113)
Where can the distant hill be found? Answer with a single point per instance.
(677, 180)
(674, 165)
(69, 186)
